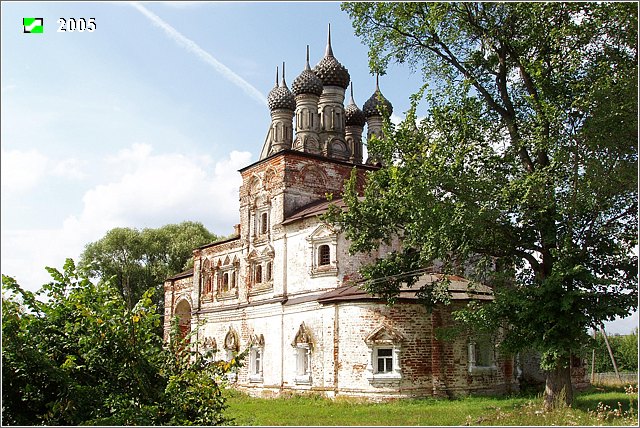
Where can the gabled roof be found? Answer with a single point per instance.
(313, 209)
(459, 288)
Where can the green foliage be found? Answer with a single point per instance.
(625, 352)
(519, 154)
(81, 356)
(138, 260)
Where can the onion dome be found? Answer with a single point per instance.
(281, 97)
(330, 70)
(373, 106)
(307, 82)
(353, 115)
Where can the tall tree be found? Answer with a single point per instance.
(137, 260)
(526, 161)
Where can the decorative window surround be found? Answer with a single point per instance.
(385, 344)
(261, 270)
(482, 358)
(322, 238)
(302, 347)
(206, 278)
(228, 280)
(231, 346)
(261, 217)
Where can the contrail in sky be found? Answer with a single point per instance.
(192, 47)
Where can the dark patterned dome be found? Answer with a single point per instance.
(280, 97)
(330, 70)
(352, 114)
(372, 106)
(307, 82)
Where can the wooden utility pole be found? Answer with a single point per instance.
(613, 360)
(593, 359)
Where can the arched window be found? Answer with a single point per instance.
(324, 255)
(302, 346)
(256, 358)
(258, 277)
(183, 312)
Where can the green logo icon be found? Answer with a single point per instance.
(33, 25)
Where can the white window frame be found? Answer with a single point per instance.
(384, 337)
(330, 269)
(386, 360)
(372, 367)
(302, 354)
(256, 363)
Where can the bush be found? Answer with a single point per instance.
(81, 357)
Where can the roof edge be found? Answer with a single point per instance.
(311, 156)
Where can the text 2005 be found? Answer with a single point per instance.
(76, 24)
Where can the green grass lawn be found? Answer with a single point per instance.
(522, 410)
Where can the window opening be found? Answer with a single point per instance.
(302, 361)
(269, 271)
(264, 223)
(258, 277)
(256, 354)
(324, 255)
(385, 360)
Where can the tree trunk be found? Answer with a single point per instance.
(558, 390)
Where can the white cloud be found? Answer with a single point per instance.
(137, 152)
(624, 325)
(22, 170)
(26, 253)
(70, 168)
(149, 190)
(155, 189)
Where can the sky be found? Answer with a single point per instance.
(146, 120)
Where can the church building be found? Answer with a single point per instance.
(281, 288)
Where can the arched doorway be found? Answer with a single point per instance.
(183, 312)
